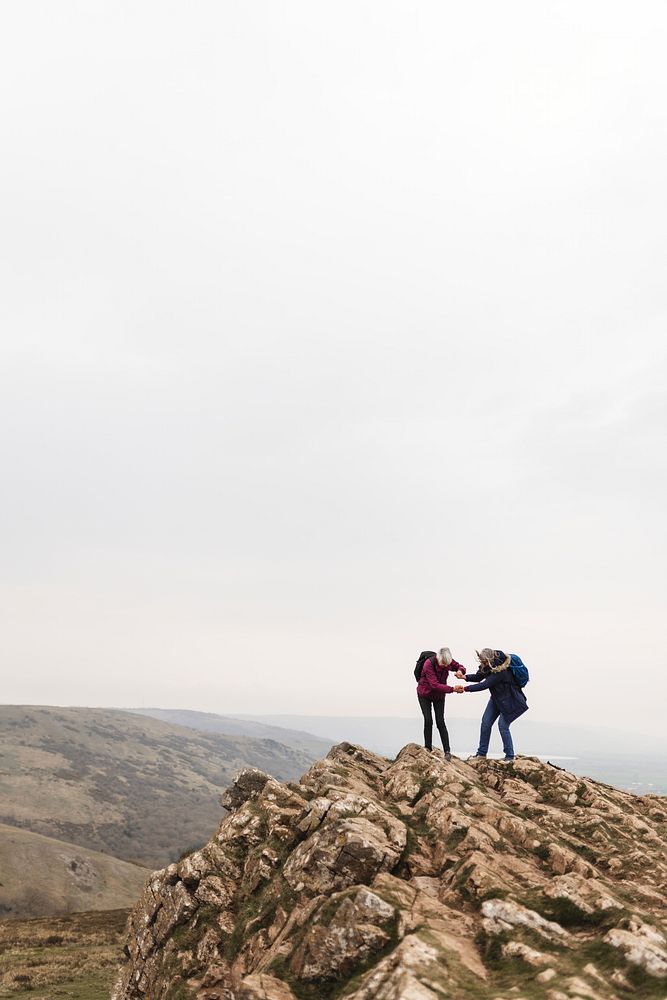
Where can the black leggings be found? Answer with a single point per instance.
(439, 708)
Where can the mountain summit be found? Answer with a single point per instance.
(411, 879)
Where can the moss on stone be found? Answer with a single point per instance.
(179, 991)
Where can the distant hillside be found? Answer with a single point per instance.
(40, 876)
(208, 722)
(124, 784)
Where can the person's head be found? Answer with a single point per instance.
(485, 657)
(444, 657)
(491, 660)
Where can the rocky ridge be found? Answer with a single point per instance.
(412, 879)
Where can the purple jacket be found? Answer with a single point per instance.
(433, 681)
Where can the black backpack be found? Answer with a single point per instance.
(423, 657)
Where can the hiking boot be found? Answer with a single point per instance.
(448, 755)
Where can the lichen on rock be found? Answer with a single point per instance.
(412, 879)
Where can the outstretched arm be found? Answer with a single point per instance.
(487, 683)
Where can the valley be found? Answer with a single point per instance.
(137, 788)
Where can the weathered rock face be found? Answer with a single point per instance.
(415, 879)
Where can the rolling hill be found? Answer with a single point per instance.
(209, 722)
(40, 877)
(138, 788)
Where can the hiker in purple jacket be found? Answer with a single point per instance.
(431, 692)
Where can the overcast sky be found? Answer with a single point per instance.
(333, 332)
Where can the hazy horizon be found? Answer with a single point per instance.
(315, 725)
(332, 335)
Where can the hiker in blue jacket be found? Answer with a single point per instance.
(507, 701)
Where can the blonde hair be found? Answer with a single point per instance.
(487, 657)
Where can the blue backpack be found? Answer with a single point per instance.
(519, 669)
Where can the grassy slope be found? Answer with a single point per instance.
(134, 787)
(74, 956)
(40, 876)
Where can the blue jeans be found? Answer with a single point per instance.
(491, 713)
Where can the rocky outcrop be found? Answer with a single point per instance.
(413, 879)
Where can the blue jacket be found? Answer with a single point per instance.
(505, 693)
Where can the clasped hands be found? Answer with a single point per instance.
(458, 688)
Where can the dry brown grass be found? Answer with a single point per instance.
(42, 877)
(75, 956)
